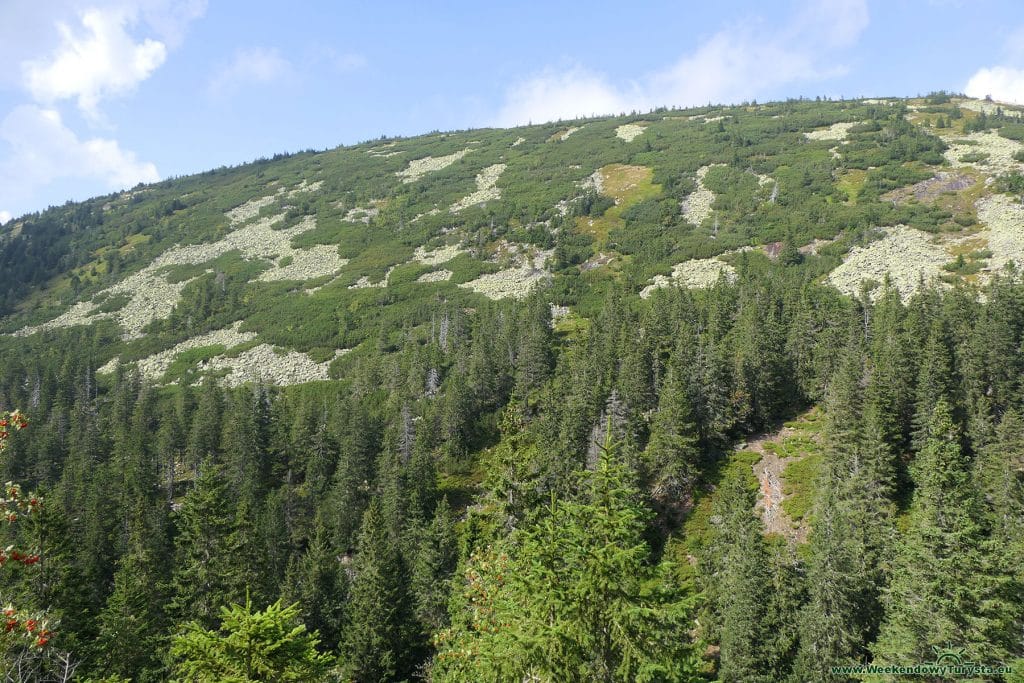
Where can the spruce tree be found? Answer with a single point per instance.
(204, 570)
(935, 381)
(242, 444)
(436, 555)
(999, 472)
(938, 584)
(533, 356)
(205, 434)
(572, 595)
(376, 638)
(317, 582)
(832, 629)
(670, 459)
(741, 591)
(132, 623)
(351, 485)
(249, 646)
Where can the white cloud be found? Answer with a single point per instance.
(5, 216)
(43, 149)
(169, 19)
(563, 95)
(1003, 82)
(737, 63)
(84, 51)
(250, 66)
(100, 60)
(28, 30)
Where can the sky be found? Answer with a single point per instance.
(99, 95)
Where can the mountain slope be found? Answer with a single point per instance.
(323, 239)
(642, 371)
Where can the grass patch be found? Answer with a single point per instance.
(965, 264)
(794, 446)
(627, 185)
(800, 478)
(971, 248)
(970, 258)
(571, 326)
(698, 528)
(800, 485)
(812, 421)
(851, 183)
(961, 203)
(133, 241)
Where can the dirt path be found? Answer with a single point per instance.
(768, 471)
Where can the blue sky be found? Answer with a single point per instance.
(97, 95)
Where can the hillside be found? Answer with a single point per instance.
(743, 382)
(236, 257)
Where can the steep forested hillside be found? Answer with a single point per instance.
(725, 394)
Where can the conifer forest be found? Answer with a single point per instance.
(714, 394)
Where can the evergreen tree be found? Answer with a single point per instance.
(317, 582)
(249, 562)
(375, 646)
(761, 366)
(935, 381)
(204, 569)
(350, 489)
(743, 580)
(242, 444)
(205, 434)
(533, 357)
(999, 472)
(938, 584)
(672, 452)
(714, 405)
(634, 381)
(456, 416)
(571, 596)
(434, 562)
(268, 645)
(789, 254)
(889, 394)
(169, 449)
(832, 628)
(132, 623)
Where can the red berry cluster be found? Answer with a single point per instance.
(10, 554)
(8, 421)
(26, 626)
(31, 627)
(16, 502)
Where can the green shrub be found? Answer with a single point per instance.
(974, 157)
(1013, 131)
(184, 366)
